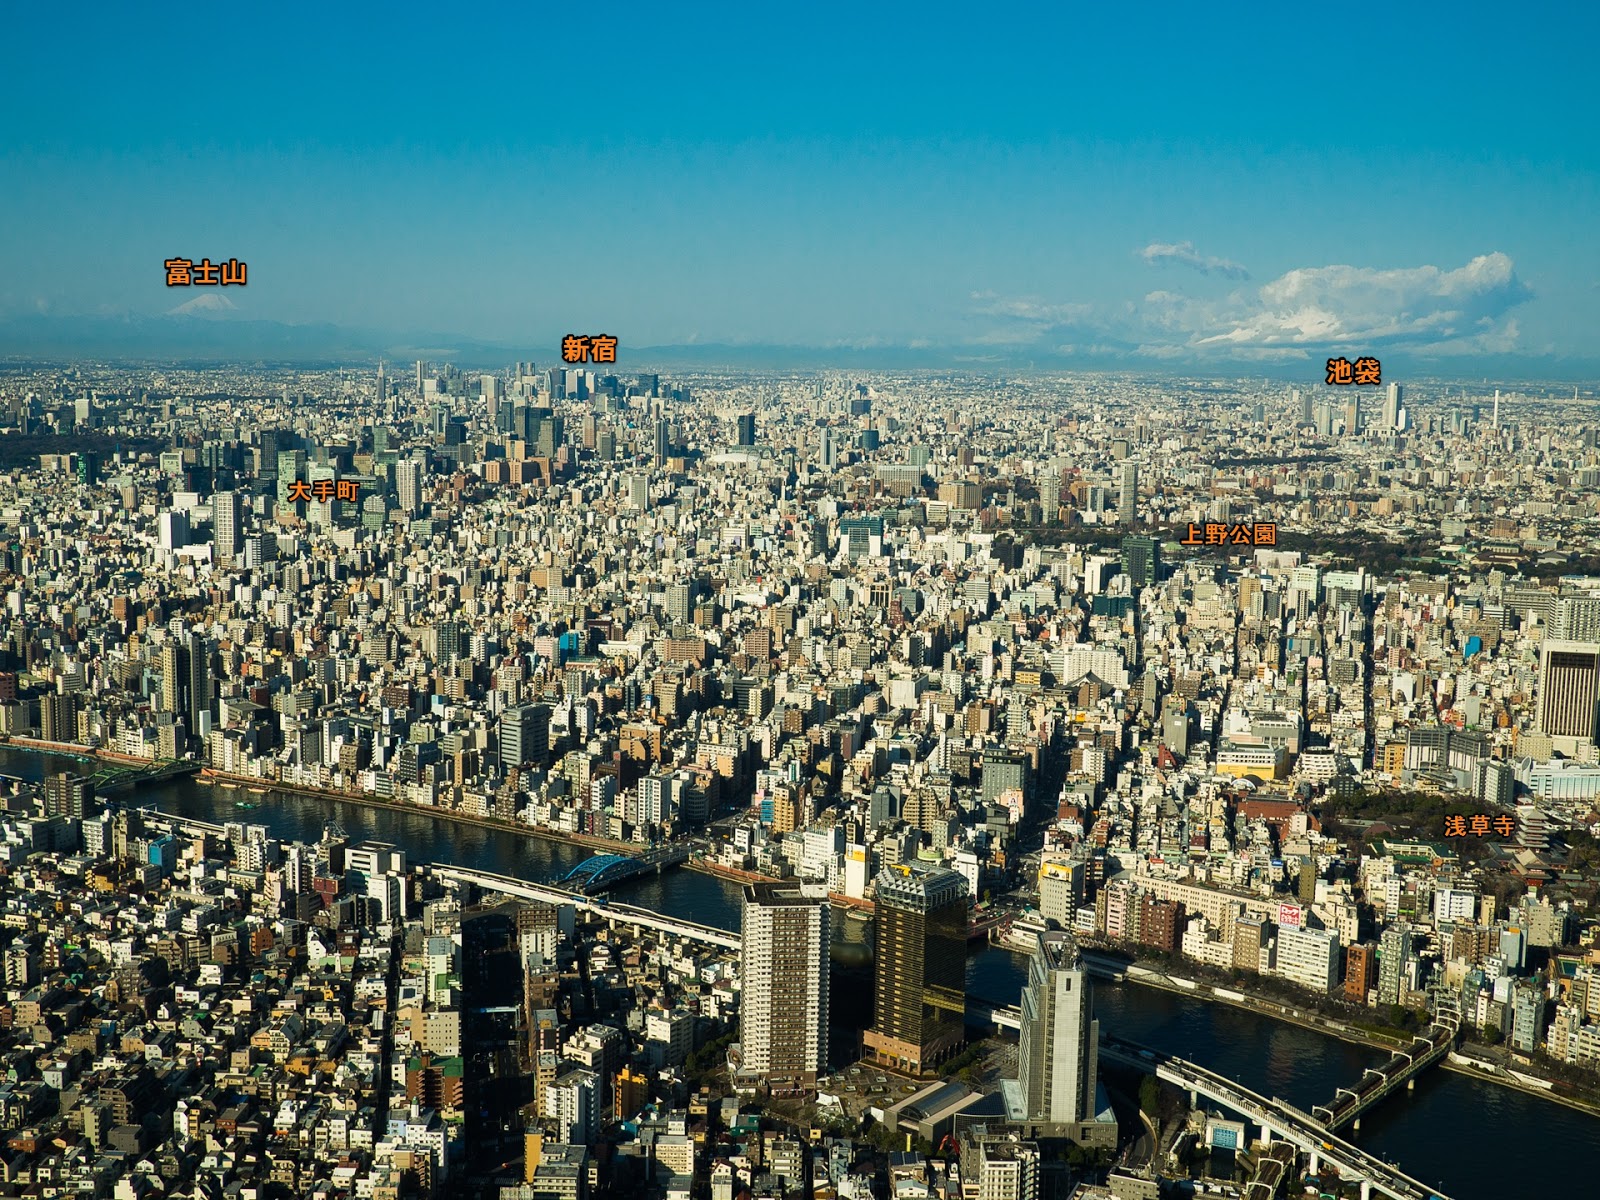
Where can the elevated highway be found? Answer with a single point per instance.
(615, 914)
(981, 1012)
(1277, 1119)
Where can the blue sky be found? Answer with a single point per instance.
(1170, 184)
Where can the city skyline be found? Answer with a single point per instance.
(1293, 702)
(910, 196)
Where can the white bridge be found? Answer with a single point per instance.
(1278, 1119)
(615, 914)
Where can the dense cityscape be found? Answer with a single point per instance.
(1275, 696)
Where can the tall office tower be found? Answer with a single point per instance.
(663, 442)
(260, 549)
(1128, 494)
(173, 530)
(525, 736)
(1141, 560)
(828, 454)
(1058, 1055)
(1568, 676)
(919, 1001)
(422, 369)
(227, 524)
(1325, 419)
(783, 969)
(1352, 418)
(550, 436)
(268, 444)
(747, 429)
(639, 490)
(1391, 408)
(1497, 408)
(408, 484)
(291, 466)
(1301, 402)
(199, 663)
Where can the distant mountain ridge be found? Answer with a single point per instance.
(214, 332)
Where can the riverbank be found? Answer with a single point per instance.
(738, 875)
(730, 874)
(151, 770)
(1493, 1073)
(215, 778)
(73, 750)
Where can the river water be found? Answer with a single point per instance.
(1475, 1140)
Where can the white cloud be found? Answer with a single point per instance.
(1183, 254)
(1302, 314)
(1418, 307)
(1029, 308)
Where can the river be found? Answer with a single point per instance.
(1519, 1139)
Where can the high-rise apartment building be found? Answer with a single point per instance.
(1050, 495)
(920, 975)
(58, 716)
(1058, 1054)
(450, 642)
(174, 676)
(783, 1005)
(572, 1105)
(680, 602)
(408, 484)
(1575, 619)
(1359, 959)
(68, 795)
(1568, 676)
(227, 524)
(1395, 953)
(1002, 1168)
(1128, 493)
(199, 700)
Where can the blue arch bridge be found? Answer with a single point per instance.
(596, 874)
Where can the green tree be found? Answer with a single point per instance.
(1149, 1096)
(1493, 1035)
